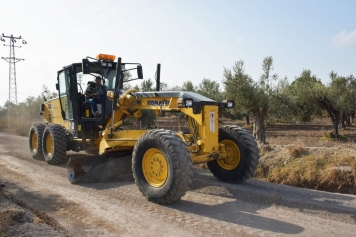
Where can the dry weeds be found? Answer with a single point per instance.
(297, 151)
(307, 155)
(334, 173)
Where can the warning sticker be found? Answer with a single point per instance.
(212, 121)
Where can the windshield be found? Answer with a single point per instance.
(108, 76)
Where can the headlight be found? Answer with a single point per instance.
(188, 103)
(228, 103)
(104, 64)
(185, 102)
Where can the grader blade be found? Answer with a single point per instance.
(99, 169)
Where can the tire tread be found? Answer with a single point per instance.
(60, 144)
(39, 129)
(181, 160)
(249, 159)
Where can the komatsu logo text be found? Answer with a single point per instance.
(158, 102)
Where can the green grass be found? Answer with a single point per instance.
(330, 136)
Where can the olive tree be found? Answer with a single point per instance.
(188, 86)
(251, 96)
(210, 89)
(302, 93)
(336, 97)
(147, 85)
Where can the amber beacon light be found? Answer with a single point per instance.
(106, 57)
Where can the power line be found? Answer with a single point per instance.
(134, 13)
(63, 18)
(82, 21)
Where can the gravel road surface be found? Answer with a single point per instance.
(51, 206)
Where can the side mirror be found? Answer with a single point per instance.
(139, 72)
(85, 66)
(57, 86)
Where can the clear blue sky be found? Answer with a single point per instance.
(191, 39)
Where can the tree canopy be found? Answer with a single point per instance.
(252, 96)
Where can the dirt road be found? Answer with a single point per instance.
(210, 208)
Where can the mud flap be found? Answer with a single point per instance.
(99, 169)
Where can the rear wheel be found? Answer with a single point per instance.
(35, 140)
(242, 155)
(162, 166)
(54, 144)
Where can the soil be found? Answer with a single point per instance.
(299, 144)
(36, 199)
(19, 219)
(308, 134)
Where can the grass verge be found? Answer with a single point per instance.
(331, 172)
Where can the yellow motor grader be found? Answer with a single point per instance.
(161, 159)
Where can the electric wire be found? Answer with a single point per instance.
(134, 13)
(81, 21)
(63, 18)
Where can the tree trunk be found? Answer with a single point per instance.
(347, 119)
(259, 130)
(343, 118)
(333, 113)
(336, 126)
(247, 119)
(352, 117)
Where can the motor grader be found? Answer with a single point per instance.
(161, 159)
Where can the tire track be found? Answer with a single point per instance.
(127, 196)
(210, 208)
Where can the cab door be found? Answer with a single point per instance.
(65, 93)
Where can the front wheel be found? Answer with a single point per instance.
(54, 144)
(242, 155)
(162, 166)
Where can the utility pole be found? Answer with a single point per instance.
(12, 60)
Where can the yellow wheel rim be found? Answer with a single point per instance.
(49, 145)
(155, 167)
(34, 142)
(233, 155)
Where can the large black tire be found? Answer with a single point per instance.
(35, 140)
(54, 144)
(162, 166)
(243, 161)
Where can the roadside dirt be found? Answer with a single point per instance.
(19, 219)
(210, 208)
(304, 155)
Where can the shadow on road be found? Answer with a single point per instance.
(237, 212)
(268, 194)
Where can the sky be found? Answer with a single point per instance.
(191, 39)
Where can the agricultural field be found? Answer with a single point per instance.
(306, 155)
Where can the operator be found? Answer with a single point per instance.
(95, 93)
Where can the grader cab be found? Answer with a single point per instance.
(161, 159)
